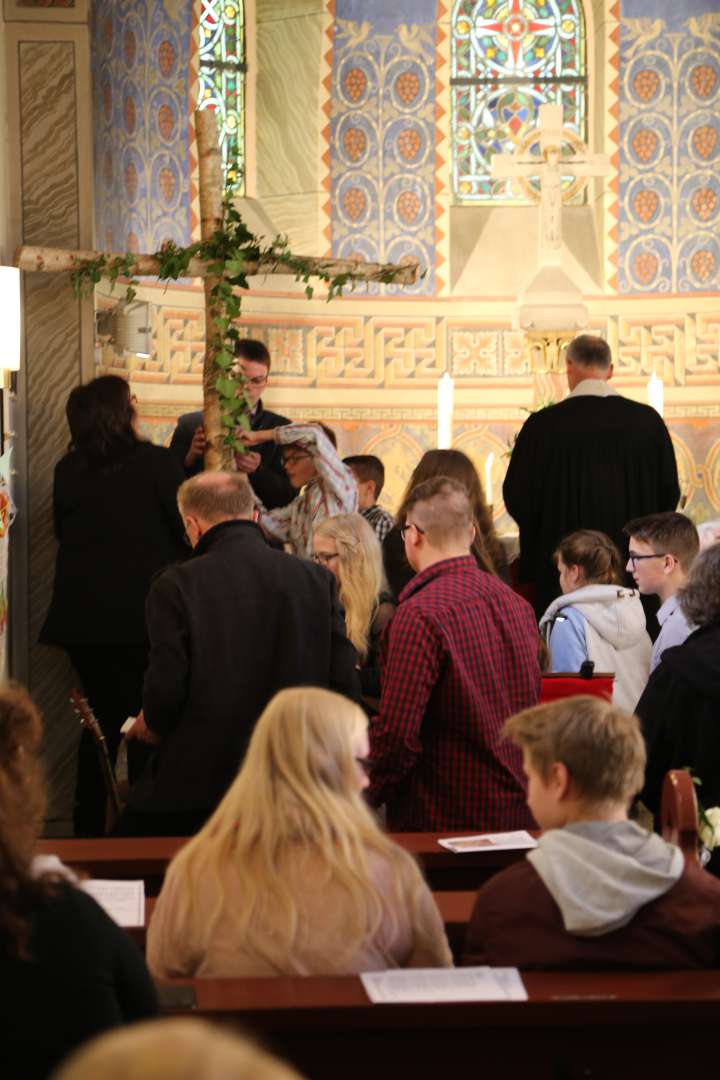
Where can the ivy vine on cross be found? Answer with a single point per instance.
(225, 257)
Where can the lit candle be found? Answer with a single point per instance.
(488, 478)
(445, 412)
(656, 393)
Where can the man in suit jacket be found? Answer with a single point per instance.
(263, 465)
(228, 628)
(594, 461)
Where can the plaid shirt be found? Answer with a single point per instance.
(459, 657)
(333, 491)
(381, 521)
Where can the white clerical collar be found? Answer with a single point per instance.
(593, 388)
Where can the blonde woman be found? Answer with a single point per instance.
(291, 875)
(348, 546)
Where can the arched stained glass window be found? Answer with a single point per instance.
(222, 78)
(508, 58)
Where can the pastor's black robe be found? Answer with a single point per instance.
(589, 462)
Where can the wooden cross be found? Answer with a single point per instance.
(551, 167)
(59, 260)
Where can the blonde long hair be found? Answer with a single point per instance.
(362, 577)
(297, 793)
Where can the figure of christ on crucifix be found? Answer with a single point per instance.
(56, 260)
(551, 167)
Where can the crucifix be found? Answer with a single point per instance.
(57, 260)
(551, 167)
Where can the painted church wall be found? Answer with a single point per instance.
(363, 167)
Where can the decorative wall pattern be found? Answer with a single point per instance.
(141, 105)
(669, 150)
(382, 133)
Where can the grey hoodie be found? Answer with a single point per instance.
(600, 873)
(615, 635)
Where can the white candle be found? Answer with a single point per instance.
(445, 412)
(10, 306)
(488, 478)
(656, 393)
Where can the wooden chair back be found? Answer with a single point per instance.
(679, 812)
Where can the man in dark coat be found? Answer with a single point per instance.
(262, 465)
(228, 628)
(593, 461)
(680, 708)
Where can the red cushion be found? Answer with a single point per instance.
(555, 687)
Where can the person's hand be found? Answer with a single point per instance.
(142, 732)
(247, 462)
(252, 438)
(197, 448)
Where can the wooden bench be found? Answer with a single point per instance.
(577, 1025)
(148, 857)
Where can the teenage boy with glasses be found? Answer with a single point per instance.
(263, 466)
(663, 547)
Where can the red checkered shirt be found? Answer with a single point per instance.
(459, 657)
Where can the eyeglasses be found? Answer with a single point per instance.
(292, 459)
(324, 557)
(411, 525)
(634, 559)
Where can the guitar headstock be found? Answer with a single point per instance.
(85, 714)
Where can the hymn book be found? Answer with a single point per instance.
(124, 901)
(426, 985)
(500, 841)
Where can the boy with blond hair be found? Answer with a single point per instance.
(598, 891)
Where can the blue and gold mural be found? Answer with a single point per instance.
(141, 87)
(382, 133)
(669, 215)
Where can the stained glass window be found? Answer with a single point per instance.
(508, 58)
(222, 78)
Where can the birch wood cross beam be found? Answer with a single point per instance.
(218, 454)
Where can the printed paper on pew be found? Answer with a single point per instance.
(499, 841)
(438, 984)
(124, 901)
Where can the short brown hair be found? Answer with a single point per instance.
(255, 351)
(367, 467)
(442, 507)
(600, 745)
(594, 553)
(216, 496)
(587, 350)
(670, 533)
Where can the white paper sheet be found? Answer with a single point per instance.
(499, 841)
(420, 985)
(124, 901)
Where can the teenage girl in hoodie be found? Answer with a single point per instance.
(596, 618)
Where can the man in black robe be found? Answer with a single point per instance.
(593, 461)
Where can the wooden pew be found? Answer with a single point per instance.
(618, 1026)
(147, 858)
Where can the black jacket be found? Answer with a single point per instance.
(229, 628)
(269, 481)
(82, 976)
(587, 463)
(680, 715)
(116, 528)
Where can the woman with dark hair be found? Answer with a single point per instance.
(68, 971)
(680, 708)
(596, 618)
(487, 548)
(117, 524)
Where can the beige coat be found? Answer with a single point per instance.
(411, 933)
